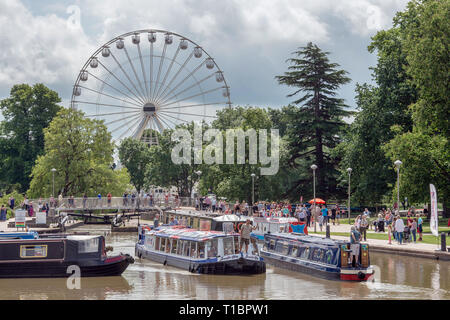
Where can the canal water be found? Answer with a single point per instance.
(399, 277)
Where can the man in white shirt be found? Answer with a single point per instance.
(399, 227)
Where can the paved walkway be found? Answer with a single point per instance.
(418, 249)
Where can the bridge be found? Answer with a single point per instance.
(124, 204)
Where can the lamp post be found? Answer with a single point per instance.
(349, 170)
(253, 190)
(314, 167)
(199, 174)
(53, 188)
(398, 163)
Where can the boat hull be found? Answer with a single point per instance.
(113, 266)
(228, 267)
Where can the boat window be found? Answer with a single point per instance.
(180, 247)
(88, 246)
(163, 244)
(236, 244)
(294, 251)
(187, 249)
(174, 246)
(201, 250)
(272, 244)
(168, 242)
(194, 250)
(228, 247)
(318, 254)
(157, 241)
(282, 247)
(305, 253)
(33, 251)
(212, 248)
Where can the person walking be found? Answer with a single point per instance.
(333, 216)
(413, 229)
(3, 213)
(420, 226)
(324, 212)
(400, 228)
(308, 216)
(109, 196)
(363, 227)
(358, 222)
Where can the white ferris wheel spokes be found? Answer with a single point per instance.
(149, 80)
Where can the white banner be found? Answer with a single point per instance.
(41, 218)
(434, 211)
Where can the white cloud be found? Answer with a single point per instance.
(39, 48)
(250, 39)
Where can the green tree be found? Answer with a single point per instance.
(27, 112)
(315, 126)
(424, 149)
(81, 151)
(162, 171)
(135, 155)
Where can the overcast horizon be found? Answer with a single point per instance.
(250, 40)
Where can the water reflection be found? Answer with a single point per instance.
(400, 278)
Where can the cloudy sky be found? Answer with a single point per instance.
(44, 41)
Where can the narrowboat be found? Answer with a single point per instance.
(205, 252)
(316, 256)
(51, 257)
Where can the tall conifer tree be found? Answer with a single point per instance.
(317, 123)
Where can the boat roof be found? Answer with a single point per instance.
(189, 233)
(82, 237)
(274, 219)
(193, 213)
(307, 238)
(231, 218)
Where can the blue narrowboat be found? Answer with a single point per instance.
(321, 257)
(205, 252)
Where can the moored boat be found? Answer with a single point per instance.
(49, 257)
(321, 257)
(206, 252)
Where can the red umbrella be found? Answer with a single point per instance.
(318, 201)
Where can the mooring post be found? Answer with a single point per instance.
(443, 242)
(328, 231)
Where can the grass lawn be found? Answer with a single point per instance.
(427, 238)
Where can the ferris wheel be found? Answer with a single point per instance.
(147, 81)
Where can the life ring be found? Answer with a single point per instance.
(239, 226)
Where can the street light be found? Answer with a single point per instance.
(398, 163)
(314, 167)
(53, 174)
(253, 190)
(349, 170)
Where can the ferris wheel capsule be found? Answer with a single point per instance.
(197, 52)
(84, 76)
(226, 92)
(120, 44)
(135, 39)
(209, 63)
(106, 52)
(168, 38)
(76, 91)
(219, 76)
(94, 62)
(151, 36)
(183, 44)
